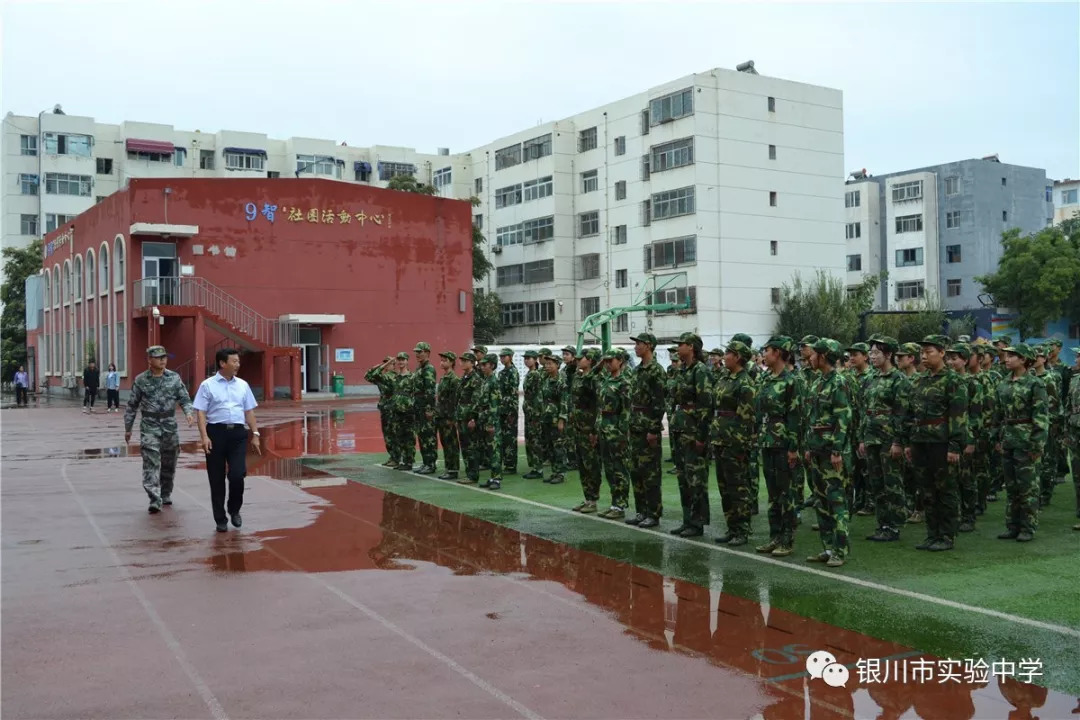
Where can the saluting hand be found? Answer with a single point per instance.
(953, 458)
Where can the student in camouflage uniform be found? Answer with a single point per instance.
(508, 383)
(612, 427)
(906, 362)
(383, 380)
(532, 407)
(935, 434)
(693, 408)
(860, 499)
(716, 363)
(980, 461)
(779, 412)
(569, 369)
(1072, 428)
(583, 415)
(809, 376)
(486, 442)
(155, 394)
(1046, 471)
(733, 434)
(446, 401)
(756, 376)
(648, 392)
(957, 359)
(553, 415)
(405, 438)
(828, 422)
(423, 387)
(879, 439)
(468, 418)
(487, 405)
(1057, 430)
(675, 364)
(1021, 419)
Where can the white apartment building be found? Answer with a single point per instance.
(717, 187)
(911, 236)
(1066, 195)
(862, 230)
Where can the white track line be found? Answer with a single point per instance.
(205, 693)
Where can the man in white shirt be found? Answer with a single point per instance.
(226, 412)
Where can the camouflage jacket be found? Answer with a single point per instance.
(157, 398)
(669, 388)
(734, 422)
(569, 375)
(507, 381)
(469, 397)
(935, 410)
(976, 393)
(883, 408)
(613, 407)
(1021, 418)
(383, 380)
(779, 409)
(1072, 411)
(402, 400)
(487, 402)
(423, 386)
(693, 397)
(828, 418)
(1053, 394)
(648, 398)
(989, 400)
(583, 402)
(553, 396)
(532, 401)
(446, 396)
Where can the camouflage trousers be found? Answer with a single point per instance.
(424, 427)
(589, 464)
(829, 486)
(1022, 491)
(406, 437)
(779, 479)
(507, 440)
(859, 494)
(552, 447)
(673, 445)
(448, 438)
(997, 472)
(159, 450)
(645, 473)
(964, 472)
(912, 493)
(475, 453)
(614, 449)
(755, 480)
(734, 483)
(533, 435)
(384, 424)
(980, 467)
(692, 464)
(885, 477)
(1048, 464)
(940, 490)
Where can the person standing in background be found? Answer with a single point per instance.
(22, 385)
(112, 389)
(91, 379)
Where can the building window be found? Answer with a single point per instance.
(28, 145)
(120, 357)
(587, 267)
(772, 104)
(508, 235)
(952, 219)
(620, 278)
(442, 177)
(620, 190)
(28, 184)
(530, 313)
(589, 181)
(513, 314)
(104, 166)
(854, 263)
(77, 278)
(28, 224)
(907, 191)
(673, 203)
(91, 273)
(589, 306)
(912, 290)
(478, 222)
(1004, 216)
(852, 198)
(536, 189)
(854, 230)
(390, 170)
(622, 323)
(672, 155)
(68, 144)
(509, 195)
(646, 212)
(909, 257)
(537, 147)
(671, 107)
(539, 272)
(774, 247)
(150, 157)
(952, 253)
(103, 269)
(586, 140)
(774, 296)
(206, 159)
(675, 296)
(671, 253)
(620, 145)
(908, 223)
(619, 235)
(509, 275)
(478, 185)
(508, 156)
(1002, 182)
(242, 161)
(1068, 197)
(644, 122)
(538, 229)
(589, 224)
(772, 198)
(179, 156)
(952, 288)
(323, 165)
(952, 185)
(772, 152)
(54, 221)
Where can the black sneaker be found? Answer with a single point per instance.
(1009, 534)
(495, 484)
(1024, 536)
(692, 531)
(636, 520)
(154, 509)
(678, 530)
(925, 544)
(737, 540)
(725, 539)
(166, 500)
(485, 484)
(649, 522)
(237, 521)
(940, 545)
(425, 470)
(532, 475)
(966, 526)
(555, 480)
(222, 526)
(404, 468)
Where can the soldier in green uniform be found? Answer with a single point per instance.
(1046, 471)
(879, 439)
(532, 407)
(468, 418)
(1057, 430)
(809, 377)
(860, 498)
(155, 394)
(733, 434)
(755, 373)
(1072, 428)
(612, 429)
(779, 411)
(487, 405)
(383, 380)
(403, 413)
(648, 392)
(906, 363)
(553, 414)
(583, 414)
(673, 368)
(957, 359)
(980, 461)
(508, 383)
(935, 434)
(693, 407)
(423, 387)
(828, 422)
(569, 371)
(446, 401)
(716, 362)
(481, 351)
(1021, 419)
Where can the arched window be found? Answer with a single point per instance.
(120, 280)
(56, 286)
(90, 273)
(48, 318)
(77, 278)
(67, 281)
(103, 269)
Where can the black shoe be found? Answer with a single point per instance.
(555, 480)
(1024, 536)
(404, 468)
(940, 545)
(1009, 535)
(737, 540)
(495, 484)
(166, 500)
(925, 544)
(222, 526)
(967, 526)
(425, 470)
(649, 522)
(678, 530)
(154, 508)
(532, 475)
(485, 484)
(725, 539)
(692, 531)
(237, 521)
(636, 520)
(884, 535)
(451, 475)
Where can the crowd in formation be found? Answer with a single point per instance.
(916, 433)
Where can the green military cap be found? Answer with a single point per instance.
(744, 339)
(740, 348)
(506, 351)
(1076, 350)
(940, 341)
(964, 338)
(1022, 349)
(1040, 349)
(448, 355)
(611, 354)
(961, 349)
(1007, 339)
(1055, 342)
(909, 348)
(887, 343)
(646, 337)
(543, 352)
(689, 338)
(674, 349)
(809, 340)
(980, 348)
(531, 354)
(479, 349)
(468, 356)
(716, 351)
(422, 347)
(593, 355)
(829, 348)
(572, 349)
(780, 342)
(403, 355)
(388, 358)
(156, 351)
(490, 358)
(859, 347)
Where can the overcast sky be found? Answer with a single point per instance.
(922, 83)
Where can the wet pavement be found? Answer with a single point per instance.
(353, 591)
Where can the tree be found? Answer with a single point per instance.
(1038, 277)
(19, 264)
(487, 317)
(929, 319)
(824, 307)
(407, 183)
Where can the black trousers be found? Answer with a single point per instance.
(227, 458)
(113, 398)
(89, 397)
(20, 396)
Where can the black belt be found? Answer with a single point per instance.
(227, 426)
(159, 415)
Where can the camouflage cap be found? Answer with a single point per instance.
(468, 357)
(572, 349)
(673, 349)
(530, 354)
(744, 339)
(716, 351)
(646, 337)
(448, 355)
(780, 342)
(689, 338)
(859, 347)
(388, 358)
(1040, 350)
(552, 357)
(940, 341)
(740, 348)
(506, 351)
(961, 349)
(616, 354)
(1022, 349)
(479, 349)
(909, 348)
(422, 347)
(1055, 342)
(593, 355)
(543, 352)
(491, 359)
(887, 343)
(827, 347)
(809, 340)
(1007, 339)
(156, 351)
(403, 355)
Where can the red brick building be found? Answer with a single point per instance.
(308, 277)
